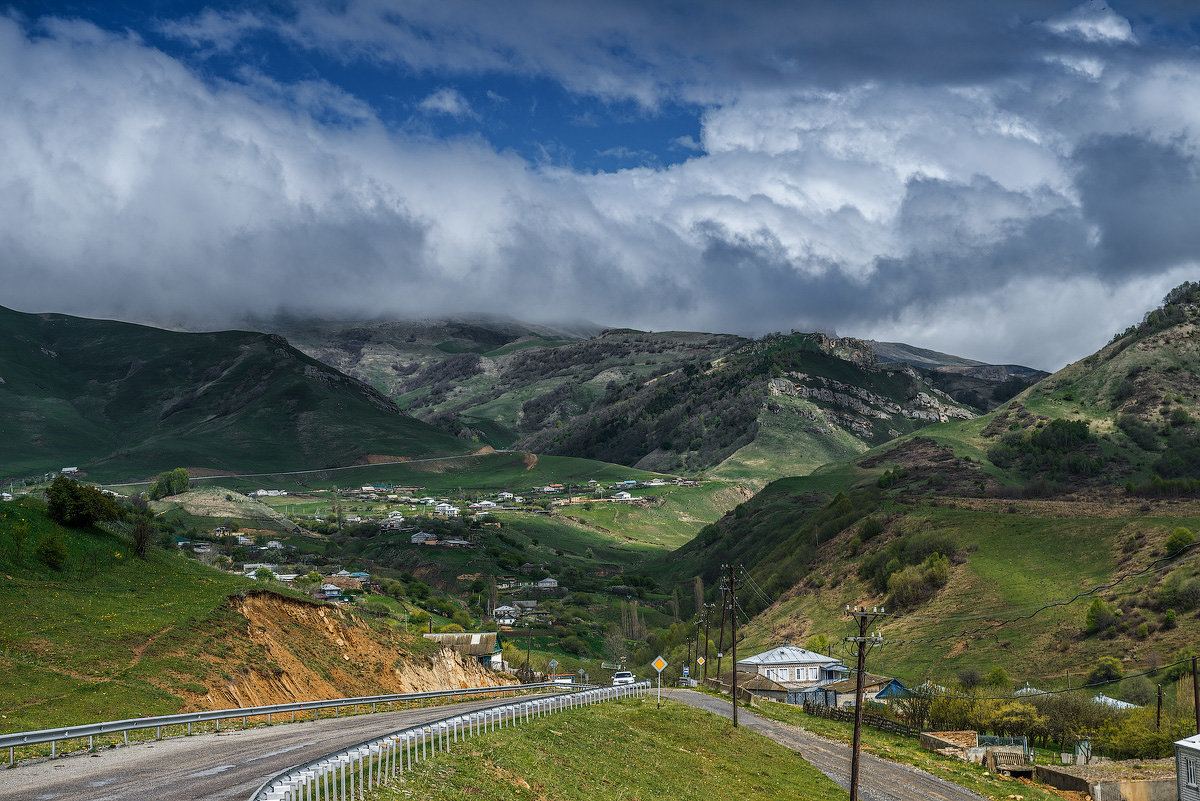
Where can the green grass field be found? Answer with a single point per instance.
(616, 750)
(75, 639)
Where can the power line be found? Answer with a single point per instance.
(1172, 561)
(975, 632)
(1015, 697)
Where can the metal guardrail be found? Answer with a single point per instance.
(91, 730)
(352, 772)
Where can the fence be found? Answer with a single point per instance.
(187, 720)
(352, 772)
(870, 719)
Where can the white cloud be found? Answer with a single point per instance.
(1093, 22)
(983, 216)
(449, 102)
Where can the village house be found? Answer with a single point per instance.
(622, 496)
(484, 647)
(446, 510)
(6, 496)
(842, 693)
(548, 584)
(392, 524)
(330, 591)
(69, 471)
(506, 615)
(422, 538)
(792, 664)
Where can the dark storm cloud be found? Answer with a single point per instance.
(1011, 182)
(1143, 197)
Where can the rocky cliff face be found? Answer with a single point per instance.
(289, 650)
(858, 405)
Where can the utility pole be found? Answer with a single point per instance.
(707, 615)
(733, 618)
(1196, 694)
(1158, 714)
(864, 644)
(721, 638)
(528, 646)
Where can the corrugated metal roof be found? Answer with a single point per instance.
(786, 655)
(468, 644)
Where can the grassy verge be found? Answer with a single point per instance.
(908, 751)
(617, 750)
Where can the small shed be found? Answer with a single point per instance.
(482, 646)
(1187, 768)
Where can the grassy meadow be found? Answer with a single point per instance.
(618, 749)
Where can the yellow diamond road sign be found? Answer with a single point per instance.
(699, 660)
(659, 663)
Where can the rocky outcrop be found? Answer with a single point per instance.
(855, 406)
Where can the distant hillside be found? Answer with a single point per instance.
(658, 400)
(700, 414)
(121, 401)
(982, 386)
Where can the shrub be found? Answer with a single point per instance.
(869, 528)
(1169, 619)
(1180, 538)
(1100, 616)
(574, 645)
(1108, 668)
(52, 550)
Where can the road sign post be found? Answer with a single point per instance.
(659, 663)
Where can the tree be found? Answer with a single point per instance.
(998, 677)
(264, 574)
(1099, 616)
(172, 482)
(915, 704)
(143, 536)
(78, 506)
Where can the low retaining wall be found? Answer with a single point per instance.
(1163, 789)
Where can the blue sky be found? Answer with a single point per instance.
(1012, 182)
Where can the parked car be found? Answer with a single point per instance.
(623, 677)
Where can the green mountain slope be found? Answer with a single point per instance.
(122, 400)
(968, 527)
(830, 395)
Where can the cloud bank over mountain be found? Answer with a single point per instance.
(1013, 183)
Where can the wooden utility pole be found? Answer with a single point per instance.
(864, 643)
(707, 615)
(1196, 694)
(721, 638)
(1158, 714)
(733, 618)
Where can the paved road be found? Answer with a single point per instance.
(879, 779)
(229, 765)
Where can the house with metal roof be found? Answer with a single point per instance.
(483, 646)
(841, 693)
(792, 664)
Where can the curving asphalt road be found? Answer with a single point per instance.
(229, 765)
(878, 779)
